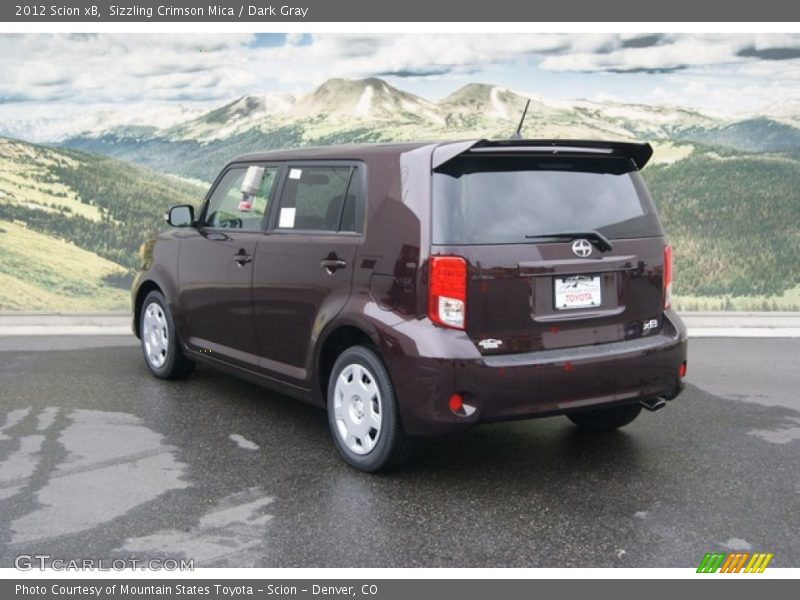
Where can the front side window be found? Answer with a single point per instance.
(241, 198)
(318, 199)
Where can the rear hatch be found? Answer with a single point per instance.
(563, 248)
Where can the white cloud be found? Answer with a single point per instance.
(121, 68)
(723, 96)
(671, 53)
(105, 67)
(138, 69)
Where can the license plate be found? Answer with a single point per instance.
(578, 291)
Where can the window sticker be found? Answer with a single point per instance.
(295, 173)
(287, 217)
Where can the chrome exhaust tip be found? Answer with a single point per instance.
(653, 404)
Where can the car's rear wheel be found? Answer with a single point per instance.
(363, 414)
(159, 341)
(606, 419)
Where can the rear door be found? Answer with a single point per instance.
(304, 263)
(215, 269)
(538, 277)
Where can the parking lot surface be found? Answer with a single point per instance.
(99, 460)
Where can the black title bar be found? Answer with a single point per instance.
(252, 11)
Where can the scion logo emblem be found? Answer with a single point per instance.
(581, 248)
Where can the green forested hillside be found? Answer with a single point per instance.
(101, 208)
(98, 203)
(754, 135)
(732, 218)
(734, 221)
(189, 158)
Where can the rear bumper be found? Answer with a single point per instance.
(538, 384)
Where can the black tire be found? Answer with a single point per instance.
(606, 419)
(392, 447)
(175, 365)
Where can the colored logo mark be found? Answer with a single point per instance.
(735, 562)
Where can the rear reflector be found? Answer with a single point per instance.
(682, 370)
(667, 282)
(447, 291)
(456, 403)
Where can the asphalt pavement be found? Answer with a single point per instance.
(99, 460)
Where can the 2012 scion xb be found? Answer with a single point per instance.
(417, 289)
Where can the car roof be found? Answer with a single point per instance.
(444, 150)
(334, 152)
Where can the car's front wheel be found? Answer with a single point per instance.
(606, 419)
(160, 346)
(363, 414)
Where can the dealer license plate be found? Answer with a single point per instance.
(578, 291)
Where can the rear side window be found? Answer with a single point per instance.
(501, 200)
(318, 199)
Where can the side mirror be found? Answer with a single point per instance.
(181, 215)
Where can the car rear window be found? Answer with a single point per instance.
(501, 200)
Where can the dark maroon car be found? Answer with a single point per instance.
(422, 288)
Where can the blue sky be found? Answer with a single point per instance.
(80, 73)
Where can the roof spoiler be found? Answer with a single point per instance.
(638, 154)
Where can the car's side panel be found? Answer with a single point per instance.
(215, 278)
(295, 297)
(296, 293)
(159, 266)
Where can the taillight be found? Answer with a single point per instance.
(447, 291)
(667, 282)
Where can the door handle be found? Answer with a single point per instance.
(332, 264)
(241, 258)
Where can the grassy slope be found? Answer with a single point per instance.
(26, 179)
(38, 272)
(121, 204)
(73, 225)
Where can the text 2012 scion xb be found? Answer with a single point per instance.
(415, 289)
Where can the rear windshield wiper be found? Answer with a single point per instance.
(595, 237)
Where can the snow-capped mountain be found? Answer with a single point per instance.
(345, 103)
(244, 113)
(787, 111)
(370, 98)
(495, 102)
(371, 110)
(476, 107)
